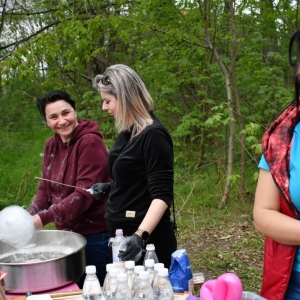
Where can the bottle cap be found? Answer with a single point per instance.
(158, 266)
(129, 264)
(119, 232)
(149, 263)
(138, 269)
(90, 269)
(122, 277)
(163, 272)
(144, 275)
(150, 247)
(110, 266)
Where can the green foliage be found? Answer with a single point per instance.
(166, 44)
(20, 162)
(17, 102)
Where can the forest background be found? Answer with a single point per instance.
(218, 72)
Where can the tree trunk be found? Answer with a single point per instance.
(237, 100)
(227, 187)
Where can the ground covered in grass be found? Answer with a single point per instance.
(231, 245)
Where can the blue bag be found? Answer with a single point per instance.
(181, 275)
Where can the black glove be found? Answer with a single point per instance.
(100, 190)
(133, 245)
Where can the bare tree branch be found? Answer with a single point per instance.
(2, 16)
(165, 32)
(17, 43)
(30, 13)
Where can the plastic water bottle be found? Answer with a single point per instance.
(91, 286)
(119, 239)
(137, 270)
(143, 289)
(111, 284)
(156, 267)
(150, 253)
(163, 289)
(122, 290)
(129, 270)
(149, 266)
(108, 267)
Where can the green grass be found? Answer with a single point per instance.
(20, 162)
(218, 240)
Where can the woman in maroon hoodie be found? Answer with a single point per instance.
(75, 156)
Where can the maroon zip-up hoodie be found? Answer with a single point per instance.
(80, 162)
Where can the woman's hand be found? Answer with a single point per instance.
(100, 190)
(132, 248)
(38, 225)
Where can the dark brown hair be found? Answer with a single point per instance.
(51, 97)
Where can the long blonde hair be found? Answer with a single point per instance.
(134, 101)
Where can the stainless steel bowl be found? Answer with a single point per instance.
(52, 259)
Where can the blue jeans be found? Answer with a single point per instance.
(293, 289)
(97, 254)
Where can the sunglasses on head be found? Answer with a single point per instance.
(105, 79)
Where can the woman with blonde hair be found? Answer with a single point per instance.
(140, 165)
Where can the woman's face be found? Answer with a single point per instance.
(109, 104)
(61, 118)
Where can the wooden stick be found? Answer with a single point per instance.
(62, 295)
(60, 183)
(2, 294)
(74, 297)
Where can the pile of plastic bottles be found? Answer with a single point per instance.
(126, 281)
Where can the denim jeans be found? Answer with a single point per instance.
(293, 289)
(97, 254)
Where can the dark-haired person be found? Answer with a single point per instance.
(75, 156)
(277, 198)
(141, 167)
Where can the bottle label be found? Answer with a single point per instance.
(115, 253)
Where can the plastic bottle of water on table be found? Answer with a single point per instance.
(137, 270)
(150, 253)
(162, 288)
(143, 290)
(122, 290)
(149, 266)
(129, 270)
(156, 267)
(111, 284)
(91, 286)
(107, 276)
(118, 241)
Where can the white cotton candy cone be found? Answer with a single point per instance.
(16, 226)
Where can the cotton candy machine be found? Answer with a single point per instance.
(53, 258)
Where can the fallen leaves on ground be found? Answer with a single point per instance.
(227, 247)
